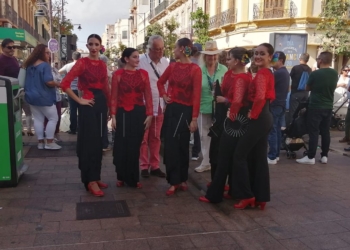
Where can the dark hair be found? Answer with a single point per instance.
(185, 42)
(127, 53)
(281, 56)
(344, 67)
(76, 55)
(239, 52)
(95, 36)
(269, 48)
(6, 41)
(37, 54)
(304, 57)
(326, 57)
(223, 57)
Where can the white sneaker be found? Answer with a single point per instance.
(41, 145)
(306, 160)
(277, 159)
(194, 158)
(201, 168)
(324, 160)
(52, 146)
(271, 162)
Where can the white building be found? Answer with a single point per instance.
(117, 33)
(139, 12)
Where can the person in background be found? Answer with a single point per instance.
(155, 64)
(223, 58)
(73, 105)
(212, 71)
(342, 87)
(321, 85)
(278, 106)
(40, 89)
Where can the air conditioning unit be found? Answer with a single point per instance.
(7, 25)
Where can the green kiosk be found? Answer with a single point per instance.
(11, 146)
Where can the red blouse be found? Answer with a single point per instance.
(238, 93)
(226, 83)
(92, 75)
(129, 88)
(184, 84)
(261, 90)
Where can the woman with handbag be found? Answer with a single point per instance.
(41, 95)
(234, 94)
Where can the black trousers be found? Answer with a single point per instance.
(196, 148)
(73, 113)
(250, 173)
(318, 123)
(296, 97)
(92, 123)
(128, 138)
(177, 118)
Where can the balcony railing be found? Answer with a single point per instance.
(162, 6)
(214, 22)
(274, 12)
(228, 16)
(7, 12)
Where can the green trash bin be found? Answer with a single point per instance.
(11, 146)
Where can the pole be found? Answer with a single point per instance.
(191, 34)
(50, 19)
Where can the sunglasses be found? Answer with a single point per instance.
(11, 47)
(346, 70)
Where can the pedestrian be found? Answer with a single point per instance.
(298, 93)
(93, 105)
(73, 105)
(343, 86)
(278, 106)
(131, 110)
(321, 85)
(250, 174)
(155, 64)
(8, 63)
(180, 118)
(212, 71)
(235, 92)
(40, 89)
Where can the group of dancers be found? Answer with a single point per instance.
(241, 138)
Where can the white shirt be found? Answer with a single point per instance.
(67, 68)
(145, 64)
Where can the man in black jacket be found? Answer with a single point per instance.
(297, 96)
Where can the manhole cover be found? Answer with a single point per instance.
(102, 210)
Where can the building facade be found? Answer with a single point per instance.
(117, 33)
(139, 11)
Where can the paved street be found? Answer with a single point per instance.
(309, 209)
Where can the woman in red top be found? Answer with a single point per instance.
(93, 82)
(250, 174)
(235, 94)
(180, 118)
(131, 89)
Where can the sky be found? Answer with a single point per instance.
(93, 15)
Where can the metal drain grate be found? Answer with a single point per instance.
(102, 210)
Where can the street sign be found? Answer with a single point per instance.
(53, 45)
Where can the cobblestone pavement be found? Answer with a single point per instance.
(309, 209)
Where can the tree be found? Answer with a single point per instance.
(153, 29)
(200, 26)
(170, 38)
(114, 51)
(60, 24)
(334, 26)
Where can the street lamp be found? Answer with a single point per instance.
(79, 26)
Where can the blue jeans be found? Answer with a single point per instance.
(275, 135)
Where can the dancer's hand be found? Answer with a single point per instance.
(87, 102)
(114, 123)
(167, 99)
(148, 122)
(193, 126)
(249, 113)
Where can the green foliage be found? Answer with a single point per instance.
(335, 27)
(114, 51)
(153, 29)
(170, 38)
(200, 26)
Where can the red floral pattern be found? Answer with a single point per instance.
(184, 85)
(129, 88)
(261, 90)
(238, 92)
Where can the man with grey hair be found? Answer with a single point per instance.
(155, 64)
(73, 105)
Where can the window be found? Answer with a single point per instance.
(125, 34)
(273, 8)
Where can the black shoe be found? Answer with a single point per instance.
(347, 149)
(158, 173)
(144, 173)
(71, 132)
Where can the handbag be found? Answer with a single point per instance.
(22, 77)
(64, 100)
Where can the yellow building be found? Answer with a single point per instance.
(287, 24)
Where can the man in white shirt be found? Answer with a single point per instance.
(155, 64)
(73, 105)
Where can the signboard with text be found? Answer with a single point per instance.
(293, 45)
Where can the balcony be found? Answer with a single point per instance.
(272, 12)
(214, 22)
(228, 18)
(7, 12)
(161, 7)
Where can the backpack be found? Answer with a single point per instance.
(303, 80)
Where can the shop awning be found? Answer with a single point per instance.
(18, 35)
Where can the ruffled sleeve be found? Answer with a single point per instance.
(76, 71)
(260, 82)
(114, 92)
(163, 79)
(197, 89)
(239, 89)
(147, 93)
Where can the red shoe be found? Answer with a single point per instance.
(227, 188)
(97, 193)
(227, 196)
(102, 185)
(203, 199)
(172, 192)
(261, 204)
(120, 183)
(244, 203)
(139, 185)
(209, 183)
(184, 187)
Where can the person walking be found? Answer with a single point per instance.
(155, 64)
(342, 88)
(73, 105)
(278, 106)
(131, 111)
(40, 94)
(321, 85)
(93, 105)
(250, 174)
(212, 71)
(180, 118)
